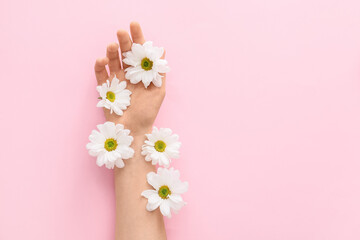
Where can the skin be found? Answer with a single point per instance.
(133, 221)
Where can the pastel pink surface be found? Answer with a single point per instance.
(265, 96)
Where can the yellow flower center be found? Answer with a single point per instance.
(146, 64)
(164, 192)
(160, 146)
(110, 144)
(110, 96)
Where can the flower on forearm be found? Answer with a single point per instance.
(161, 146)
(145, 64)
(167, 193)
(111, 144)
(114, 96)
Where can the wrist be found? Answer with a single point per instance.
(136, 127)
(137, 164)
(136, 130)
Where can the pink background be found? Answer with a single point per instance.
(265, 96)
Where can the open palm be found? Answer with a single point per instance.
(145, 102)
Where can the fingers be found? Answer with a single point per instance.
(136, 33)
(125, 42)
(100, 70)
(113, 55)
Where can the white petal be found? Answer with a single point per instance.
(109, 165)
(126, 152)
(114, 83)
(131, 59)
(172, 152)
(166, 174)
(176, 206)
(153, 201)
(112, 156)
(165, 132)
(156, 53)
(148, 158)
(132, 71)
(157, 82)
(180, 187)
(123, 139)
(165, 209)
(154, 180)
(154, 198)
(101, 103)
(117, 110)
(153, 206)
(175, 198)
(138, 50)
(95, 149)
(155, 157)
(107, 129)
(148, 44)
(164, 161)
(100, 160)
(148, 77)
(118, 128)
(161, 66)
(97, 137)
(148, 193)
(119, 163)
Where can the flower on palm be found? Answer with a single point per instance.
(114, 96)
(145, 64)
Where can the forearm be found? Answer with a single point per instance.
(132, 219)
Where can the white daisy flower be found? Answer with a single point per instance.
(111, 145)
(161, 146)
(167, 193)
(114, 96)
(145, 64)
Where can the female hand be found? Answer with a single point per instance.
(132, 219)
(145, 102)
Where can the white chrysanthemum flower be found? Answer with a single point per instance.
(145, 64)
(167, 193)
(161, 146)
(114, 96)
(111, 145)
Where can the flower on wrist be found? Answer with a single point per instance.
(161, 147)
(167, 193)
(145, 64)
(111, 144)
(114, 96)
